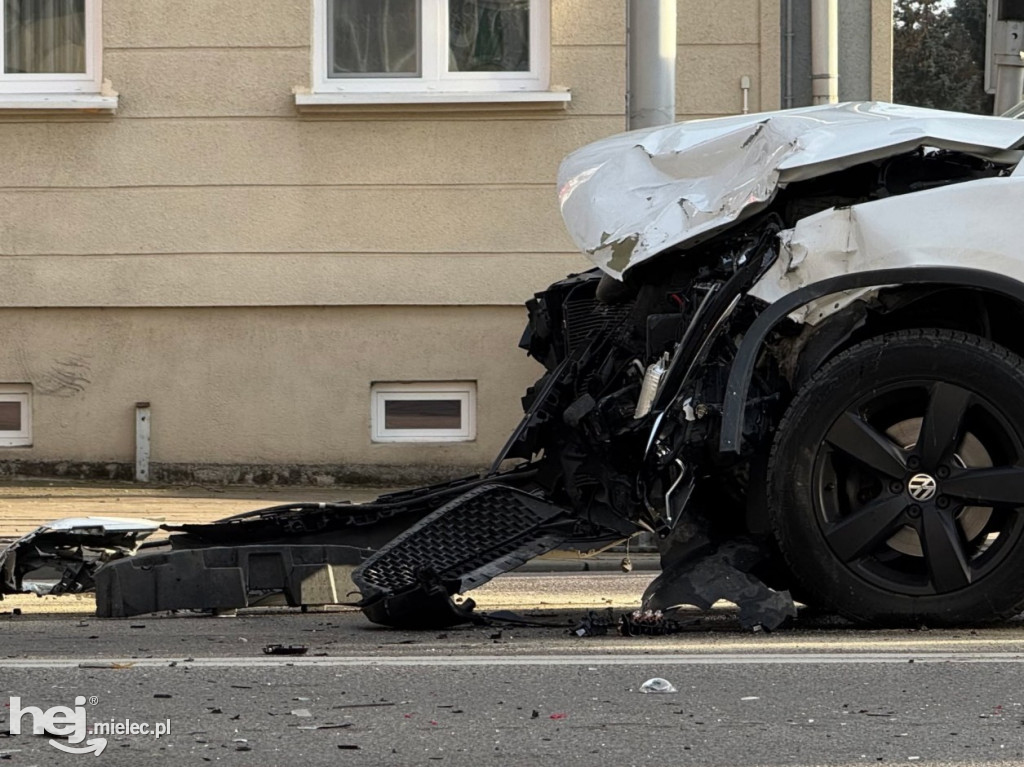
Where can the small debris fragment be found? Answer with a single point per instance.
(285, 649)
(752, 697)
(161, 695)
(657, 685)
(348, 747)
(648, 623)
(106, 665)
(558, 716)
(594, 625)
(301, 712)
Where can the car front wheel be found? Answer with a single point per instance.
(896, 481)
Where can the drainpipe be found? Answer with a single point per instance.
(651, 63)
(787, 96)
(825, 51)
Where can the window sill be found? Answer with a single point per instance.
(57, 103)
(489, 101)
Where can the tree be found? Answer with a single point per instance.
(937, 60)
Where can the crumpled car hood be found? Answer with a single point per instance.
(632, 196)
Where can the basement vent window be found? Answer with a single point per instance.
(15, 415)
(423, 412)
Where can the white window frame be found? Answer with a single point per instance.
(463, 391)
(435, 77)
(21, 393)
(90, 81)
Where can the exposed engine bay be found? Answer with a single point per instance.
(749, 375)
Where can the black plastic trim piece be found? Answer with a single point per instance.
(734, 407)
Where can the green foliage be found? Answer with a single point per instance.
(939, 55)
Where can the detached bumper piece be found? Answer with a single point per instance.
(409, 583)
(227, 577)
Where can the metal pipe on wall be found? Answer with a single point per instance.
(651, 62)
(825, 51)
(787, 96)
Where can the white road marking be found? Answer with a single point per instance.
(709, 659)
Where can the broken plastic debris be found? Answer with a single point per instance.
(648, 623)
(283, 649)
(112, 665)
(657, 684)
(301, 712)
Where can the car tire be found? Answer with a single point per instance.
(896, 481)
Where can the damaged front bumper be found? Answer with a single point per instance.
(62, 557)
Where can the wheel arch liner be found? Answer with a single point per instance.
(741, 373)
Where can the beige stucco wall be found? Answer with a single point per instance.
(251, 271)
(718, 44)
(255, 385)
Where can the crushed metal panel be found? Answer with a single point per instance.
(629, 197)
(936, 227)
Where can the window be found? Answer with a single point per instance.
(423, 412)
(49, 46)
(443, 46)
(15, 415)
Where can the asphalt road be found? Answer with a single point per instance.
(819, 693)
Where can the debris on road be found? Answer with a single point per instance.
(280, 649)
(657, 685)
(61, 557)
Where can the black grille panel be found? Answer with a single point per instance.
(584, 317)
(475, 537)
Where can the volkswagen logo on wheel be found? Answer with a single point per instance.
(922, 487)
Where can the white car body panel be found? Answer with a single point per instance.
(630, 197)
(972, 225)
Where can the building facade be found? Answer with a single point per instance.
(296, 235)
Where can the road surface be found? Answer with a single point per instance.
(818, 693)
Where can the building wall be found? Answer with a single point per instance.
(719, 43)
(250, 271)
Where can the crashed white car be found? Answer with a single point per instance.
(798, 362)
(826, 305)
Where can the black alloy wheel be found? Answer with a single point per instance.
(896, 482)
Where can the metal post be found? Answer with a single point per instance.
(1009, 87)
(787, 97)
(651, 62)
(1004, 51)
(825, 51)
(142, 427)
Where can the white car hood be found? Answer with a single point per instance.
(632, 196)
